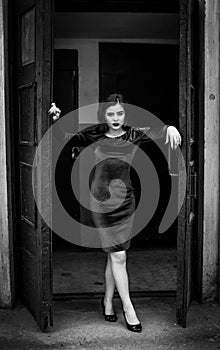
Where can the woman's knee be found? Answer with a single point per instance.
(118, 257)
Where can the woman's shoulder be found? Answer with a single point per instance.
(91, 134)
(93, 131)
(147, 133)
(135, 132)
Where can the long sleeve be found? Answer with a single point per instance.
(75, 144)
(78, 140)
(154, 133)
(148, 133)
(84, 139)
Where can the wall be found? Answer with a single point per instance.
(6, 273)
(88, 71)
(211, 151)
(88, 55)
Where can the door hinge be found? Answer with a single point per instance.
(191, 141)
(46, 303)
(191, 217)
(193, 192)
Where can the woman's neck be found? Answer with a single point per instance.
(114, 133)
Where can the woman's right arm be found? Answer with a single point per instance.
(80, 139)
(75, 143)
(72, 142)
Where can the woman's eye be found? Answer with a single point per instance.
(120, 114)
(110, 114)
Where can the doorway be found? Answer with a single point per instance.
(33, 91)
(147, 75)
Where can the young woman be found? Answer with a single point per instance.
(113, 200)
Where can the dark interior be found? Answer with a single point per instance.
(147, 76)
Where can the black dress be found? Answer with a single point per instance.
(112, 198)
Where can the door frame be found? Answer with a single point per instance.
(7, 195)
(211, 186)
(83, 7)
(200, 192)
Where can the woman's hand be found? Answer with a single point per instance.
(173, 136)
(54, 111)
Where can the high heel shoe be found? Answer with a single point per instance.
(109, 318)
(133, 327)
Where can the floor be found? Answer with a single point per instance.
(79, 325)
(83, 272)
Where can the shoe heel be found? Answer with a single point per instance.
(108, 318)
(132, 327)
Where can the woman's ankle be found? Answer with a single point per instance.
(108, 300)
(128, 306)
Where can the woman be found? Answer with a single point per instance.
(112, 199)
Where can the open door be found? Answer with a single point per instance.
(187, 103)
(32, 41)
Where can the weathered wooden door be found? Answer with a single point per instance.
(33, 49)
(188, 117)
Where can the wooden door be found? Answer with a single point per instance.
(188, 116)
(32, 94)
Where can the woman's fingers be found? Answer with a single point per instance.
(176, 141)
(172, 141)
(173, 136)
(167, 138)
(54, 110)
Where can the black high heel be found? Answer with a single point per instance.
(132, 327)
(109, 318)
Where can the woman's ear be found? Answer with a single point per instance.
(125, 123)
(126, 119)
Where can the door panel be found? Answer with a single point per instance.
(65, 93)
(66, 82)
(33, 63)
(188, 213)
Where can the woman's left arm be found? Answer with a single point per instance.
(173, 137)
(168, 133)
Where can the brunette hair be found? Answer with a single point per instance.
(111, 100)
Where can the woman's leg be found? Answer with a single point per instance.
(118, 265)
(109, 288)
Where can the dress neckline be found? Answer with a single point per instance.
(116, 136)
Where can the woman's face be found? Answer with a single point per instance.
(115, 117)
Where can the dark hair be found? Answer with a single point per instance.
(111, 100)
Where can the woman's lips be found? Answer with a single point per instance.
(116, 124)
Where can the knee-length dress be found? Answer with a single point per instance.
(112, 199)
